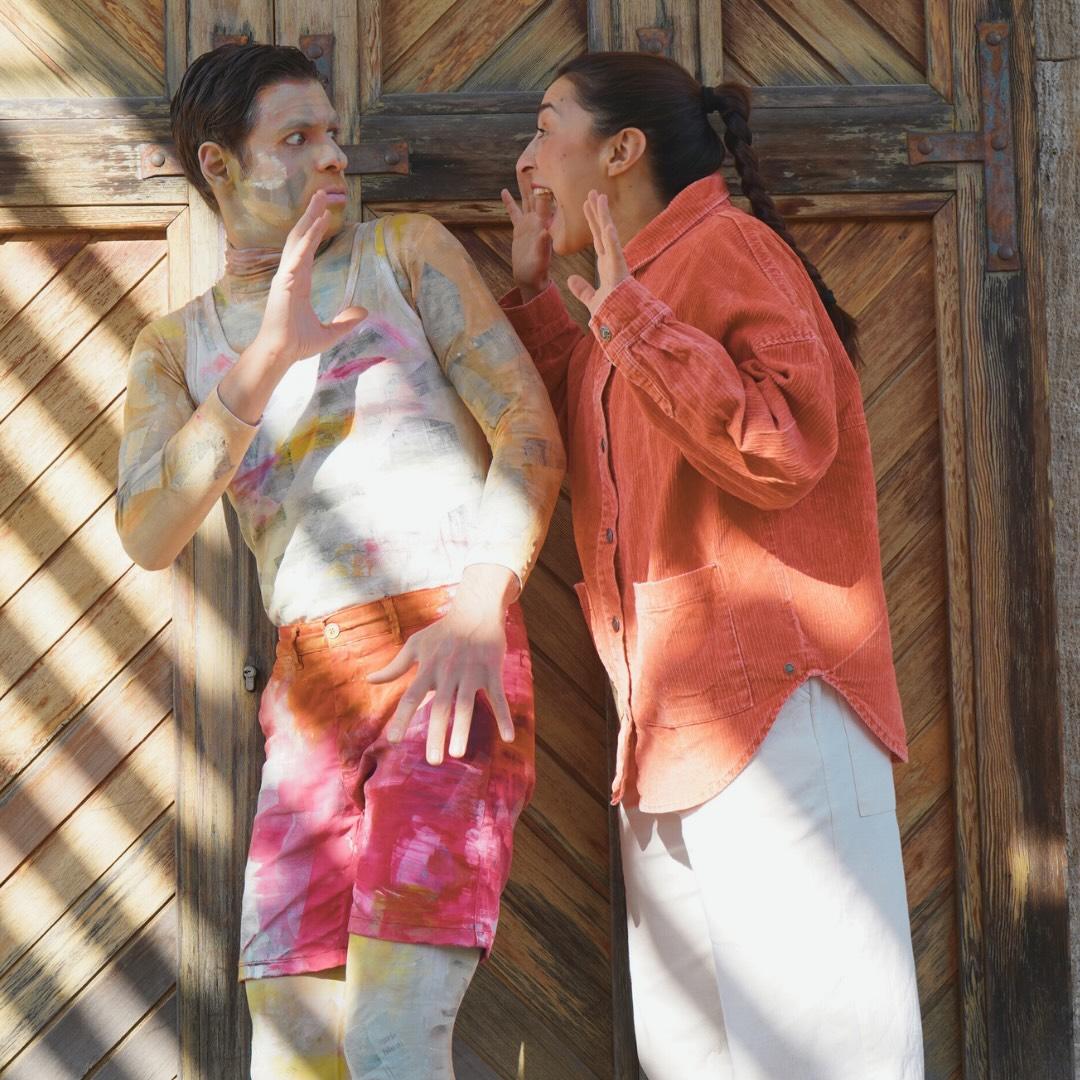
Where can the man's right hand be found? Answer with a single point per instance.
(290, 330)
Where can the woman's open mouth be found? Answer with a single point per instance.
(545, 193)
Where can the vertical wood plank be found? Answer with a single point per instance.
(1027, 996)
(711, 41)
(370, 35)
(220, 627)
(961, 630)
(207, 17)
(176, 58)
(939, 47)
(295, 18)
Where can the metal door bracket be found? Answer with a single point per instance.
(319, 49)
(655, 40)
(992, 145)
(223, 37)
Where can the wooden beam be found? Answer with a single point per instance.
(801, 150)
(1025, 947)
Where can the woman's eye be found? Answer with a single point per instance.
(540, 131)
(295, 139)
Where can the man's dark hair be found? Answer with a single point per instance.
(215, 101)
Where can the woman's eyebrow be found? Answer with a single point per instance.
(546, 105)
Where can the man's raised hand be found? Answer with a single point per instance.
(290, 329)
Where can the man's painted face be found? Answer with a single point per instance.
(291, 152)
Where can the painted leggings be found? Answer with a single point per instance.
(388, 1014)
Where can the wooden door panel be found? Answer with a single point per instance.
(478, 45)
(87, 751)
(82, 49)
(784, 42)
(883, 272)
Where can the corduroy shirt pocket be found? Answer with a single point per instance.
(689, 663)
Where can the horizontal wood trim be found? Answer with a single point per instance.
(77, 162)
(471, 156)
(857, 149)
(456, 104)
(28, 219)
(89, 108)
(897, 95)
(476, 213)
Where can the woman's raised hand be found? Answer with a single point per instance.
(611, 264)
(531, 250)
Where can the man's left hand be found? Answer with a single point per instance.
(456, 658)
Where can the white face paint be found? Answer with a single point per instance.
(291, 152)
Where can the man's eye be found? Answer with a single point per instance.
(295, 139)
(540, 131)
(334, 134)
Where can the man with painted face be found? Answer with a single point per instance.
(393, 461)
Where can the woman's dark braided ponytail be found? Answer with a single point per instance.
(662, 99)
(732, 102)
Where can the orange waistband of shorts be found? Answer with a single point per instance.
(389, 614)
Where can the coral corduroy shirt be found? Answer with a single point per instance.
(723, 497)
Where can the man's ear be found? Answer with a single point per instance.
(625, 150)
(214, 165)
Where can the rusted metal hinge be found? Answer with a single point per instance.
(224, 37)
(992, 145)
(655, 40)
(365, 159)
(319, 49)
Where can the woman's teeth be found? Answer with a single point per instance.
(545, 193)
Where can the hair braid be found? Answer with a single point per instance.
(732, 101)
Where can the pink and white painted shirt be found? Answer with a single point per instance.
(422, 443)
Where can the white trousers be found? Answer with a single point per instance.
(769, 929)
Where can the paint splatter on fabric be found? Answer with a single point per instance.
(354, 834)
(421, 444)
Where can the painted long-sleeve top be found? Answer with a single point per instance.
(422, 443)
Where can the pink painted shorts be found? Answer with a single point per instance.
(356, 835)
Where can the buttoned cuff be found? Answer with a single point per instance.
(539, 321)
(625, 314)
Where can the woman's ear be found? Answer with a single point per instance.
(625, 150)
(214, 166)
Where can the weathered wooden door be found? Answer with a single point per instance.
(929, 237)
(953, 381)
(87, 748)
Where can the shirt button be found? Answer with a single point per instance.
(609, 536)
(332, 630)
(603, 446)
(615, 624)
(789, 669)
(605, 333)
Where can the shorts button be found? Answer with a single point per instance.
(605, 333)
(332, 630)
(789, 669)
